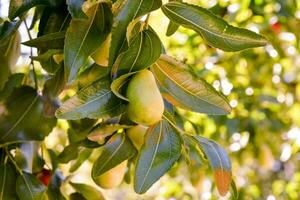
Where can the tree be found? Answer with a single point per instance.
(127, 87)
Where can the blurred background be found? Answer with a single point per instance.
(261, 135)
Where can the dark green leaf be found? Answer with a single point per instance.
(14, 81)
(91, 74)
(184, 90)
(49, 41)
(23, 119)
(144, 49)
(83, 156)
(116, 150)
(217, 32)
(93, 101)
(18, 7)
(47, 60)
(87, 191)
(8, 176)
(55, 85)
(130, 10)
(83, 37)
(70, 152)
(29, 187)
(161, 150)
(75, 8)
(117, 86)
(172, 28)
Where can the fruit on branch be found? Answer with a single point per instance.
(44, 176)
(136, 134)
(146, 104)
(101, 54)
(113, 177)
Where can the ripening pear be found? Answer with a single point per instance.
(136, 134)
(113, 177)
(146, 104)
(101, 54)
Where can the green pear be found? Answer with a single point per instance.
(146, 104)
(136, 134)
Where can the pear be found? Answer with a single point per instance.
(113, 177)
(136, 134)
(146, 104)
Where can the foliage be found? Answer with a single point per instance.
(68, 108)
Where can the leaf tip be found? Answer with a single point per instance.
(223, 181)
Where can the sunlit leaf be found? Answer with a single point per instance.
(93, 101)
(217, 32)
(129, 10)
(161, 150)
(182, 89)
(88, 191)
(75, 8)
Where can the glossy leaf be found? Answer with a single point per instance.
(83, 37)
(23, 119)
(217, 32)
(93, 101)
(88, 191)
(29, 187)
(129, 10)
(75, 8)
(172, 28)
(161, 150)
(48, 41)
(144, 49)
(117, 86)
(184, 90)
(115, 151)
(8, 176)
(219, 161)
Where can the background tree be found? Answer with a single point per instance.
(102, 96)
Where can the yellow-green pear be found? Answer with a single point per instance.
(113, 177)
(136, 134)
(146, 104)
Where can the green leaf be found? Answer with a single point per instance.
(87, 191)
(219, 162)
(23, 119)
(91, 74)
(75, 8)
(83, 37)
(55, 85)
(102, 131)
(47, 61)
(18, 7)
(117, 86)
(144, 49)
(83, 156)
(93, 101)
(130, 10)
(116, 150)
(53, 190)
(14, 81)
(8, 177)
(70, 152)
(29, 187)
(184, 90)
(217, 32)
(161, 150)
(48, 41)
(172, 28)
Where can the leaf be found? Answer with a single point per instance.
(70, 152)
(161, 150)
(184, 90)
(23, 118)
(8, 177)
(48, 41)
(83, 37)
(219, 161)
(55, 85)
(102, 131)
(14, 81)
(87, 191)
(29, 187)
(217, 32)
(83, 156)
(129, 10)
(75, 8)
(119, 83)
(172, 28)
(18, 7)
(93, 101)
(91, 74)
(29, 153)
(115, 151)
(144, 49)
(53, 190)
(47, 60)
